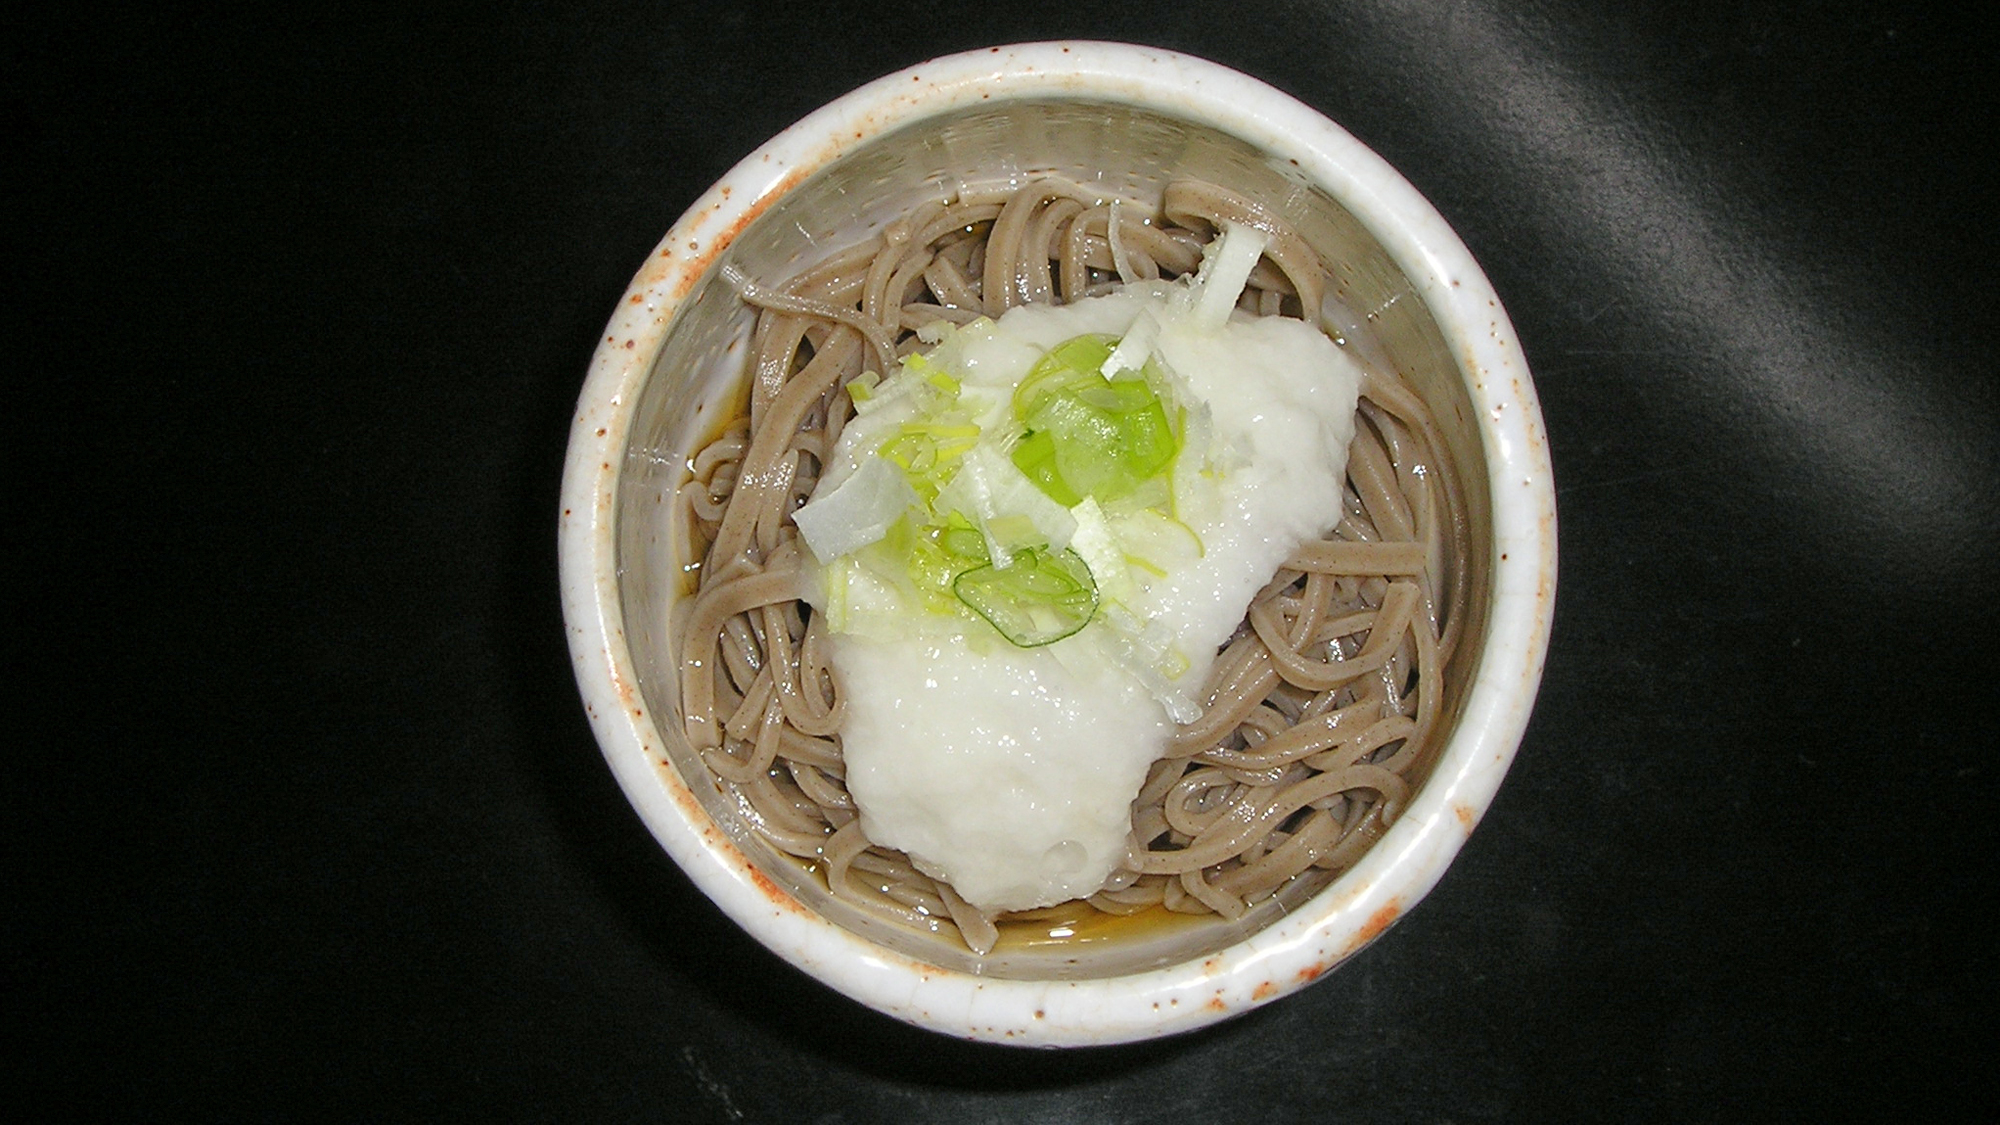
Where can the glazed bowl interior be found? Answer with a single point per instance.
(1115, 150)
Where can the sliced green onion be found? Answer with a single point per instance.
(1042, 597)
(861, 388)
(1088, 436)
(960, 540)
(929, 452)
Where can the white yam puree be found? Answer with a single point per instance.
(1009, 771)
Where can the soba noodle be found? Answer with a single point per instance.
(1320, 715)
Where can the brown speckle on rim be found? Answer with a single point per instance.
(630, 344)
(1216, 1003)
(1311, 972)
(722, 240)
(600, 431)
(1377, 922)
(774, 892)
(691, 809)
(1465, 816)
(1263, 991)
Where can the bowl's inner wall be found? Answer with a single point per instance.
(698, 381)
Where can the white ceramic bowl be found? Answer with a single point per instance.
(1128, 118)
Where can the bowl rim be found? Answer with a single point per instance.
(1395, 873)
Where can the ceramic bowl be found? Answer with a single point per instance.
(1126, 119)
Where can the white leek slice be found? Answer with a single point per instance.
(1098, 546)
(1225, 269)
(1134, 346)
(857, 513)
(1147, 651)
(989, 486)
(1158, 543)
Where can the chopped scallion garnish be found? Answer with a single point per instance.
(1042, 597)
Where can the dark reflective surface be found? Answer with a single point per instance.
(306, 819)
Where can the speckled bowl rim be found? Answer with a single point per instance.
(1397, 872)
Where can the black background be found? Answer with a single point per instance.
(304, 819)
